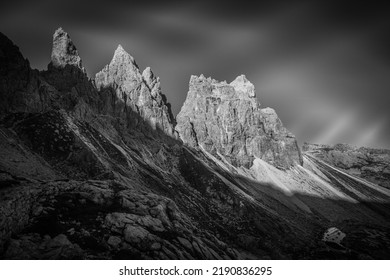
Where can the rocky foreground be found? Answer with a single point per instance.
(100, 169)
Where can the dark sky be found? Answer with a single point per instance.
(323, 66)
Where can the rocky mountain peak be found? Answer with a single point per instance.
(64, 52)
(122, 71)
(226, 120)
(240, 88)
(244, 87)
(120, 50)
(139, 91)
(122, 57)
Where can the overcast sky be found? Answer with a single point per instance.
(324, 68)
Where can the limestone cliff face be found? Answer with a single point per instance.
(132, 90)
(227, 119)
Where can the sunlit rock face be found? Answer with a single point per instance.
(64, 52)
(227, 119)
(140, 92)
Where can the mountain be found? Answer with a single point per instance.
(100, 169)
(227, 119)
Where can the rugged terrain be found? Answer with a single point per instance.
(370, 164)
(100, 169)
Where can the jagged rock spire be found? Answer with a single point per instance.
(122, 57)
(64, 52)
(121, 68)
(120, 50)
(139, 91)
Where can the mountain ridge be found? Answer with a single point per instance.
(94, 169)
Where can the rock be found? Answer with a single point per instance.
(118, 221)
(140, 92)
(100, 194)
(227, 119)
(216, 256)
(135, 234)
(19, 84)
(152, 82)
(169, 253)
(37, 211)
(155, 246)
(187, 244)
(64, 52)
(243, 87)
(114, 241)
(59, 240)
(150, 223)
(197, 249)
(32, 246)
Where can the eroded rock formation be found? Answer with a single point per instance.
(64, 52)
(133, 90)
(227, 119)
